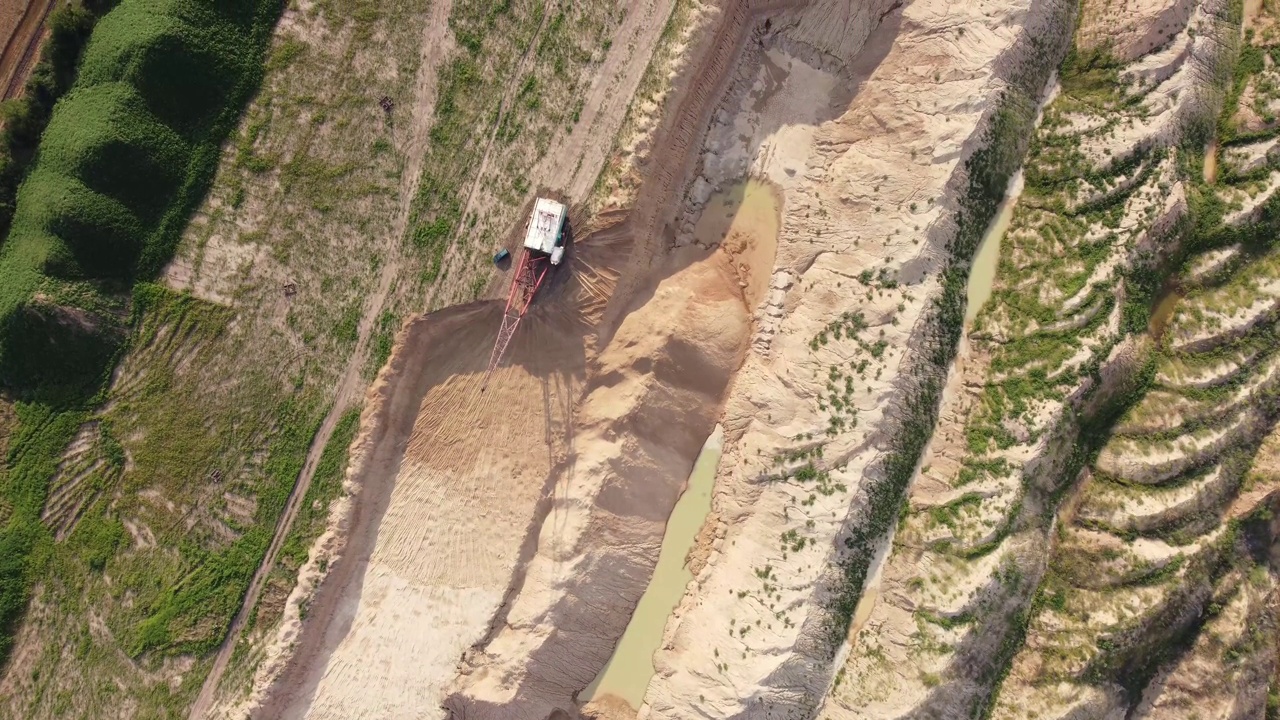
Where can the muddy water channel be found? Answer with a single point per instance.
(631, 667)
(983, 273)
(1211, 162)
(1162, 310)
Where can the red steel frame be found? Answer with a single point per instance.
(524, 286)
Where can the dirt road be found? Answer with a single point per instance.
(352, 383)
(22, 26)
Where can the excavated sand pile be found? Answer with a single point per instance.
(643, 417)
(472, 474)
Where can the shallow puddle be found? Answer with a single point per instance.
(1211, 162)
(982, 274)
(749, 205)
(627, 675)
(863, 611)
(774, 77)
(1163, 311)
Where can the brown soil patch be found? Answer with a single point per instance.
(22, 28)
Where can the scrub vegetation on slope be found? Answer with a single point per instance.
(1092, 521)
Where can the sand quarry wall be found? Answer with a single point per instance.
(466, 503)
(510, 533)
(874, 188)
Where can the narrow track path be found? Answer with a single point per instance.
(503, 108)
(352, 383)
(22, 47)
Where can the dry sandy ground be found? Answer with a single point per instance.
(444, 550)
(447, 479)
(1133, 29)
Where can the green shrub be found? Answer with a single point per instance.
(61, 357)
(17, 542)
(96, 538)
(126, 157)
(104, 136)
(25, 117)
(131, 148)
(90, 234)
(183, 59)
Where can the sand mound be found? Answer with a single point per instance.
(655, 395)
(450, 485)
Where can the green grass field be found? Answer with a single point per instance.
(127, 154)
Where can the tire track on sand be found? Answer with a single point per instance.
(351, 386)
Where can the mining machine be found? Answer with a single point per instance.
(542, 250)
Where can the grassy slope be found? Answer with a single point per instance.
(59, 334)
(1123, 634)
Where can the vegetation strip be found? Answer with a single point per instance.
(988, 170)
(128, 154)
(70, 26)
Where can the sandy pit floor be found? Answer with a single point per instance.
(466, 472)
(466, 489)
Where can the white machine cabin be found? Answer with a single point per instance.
(545, 227)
